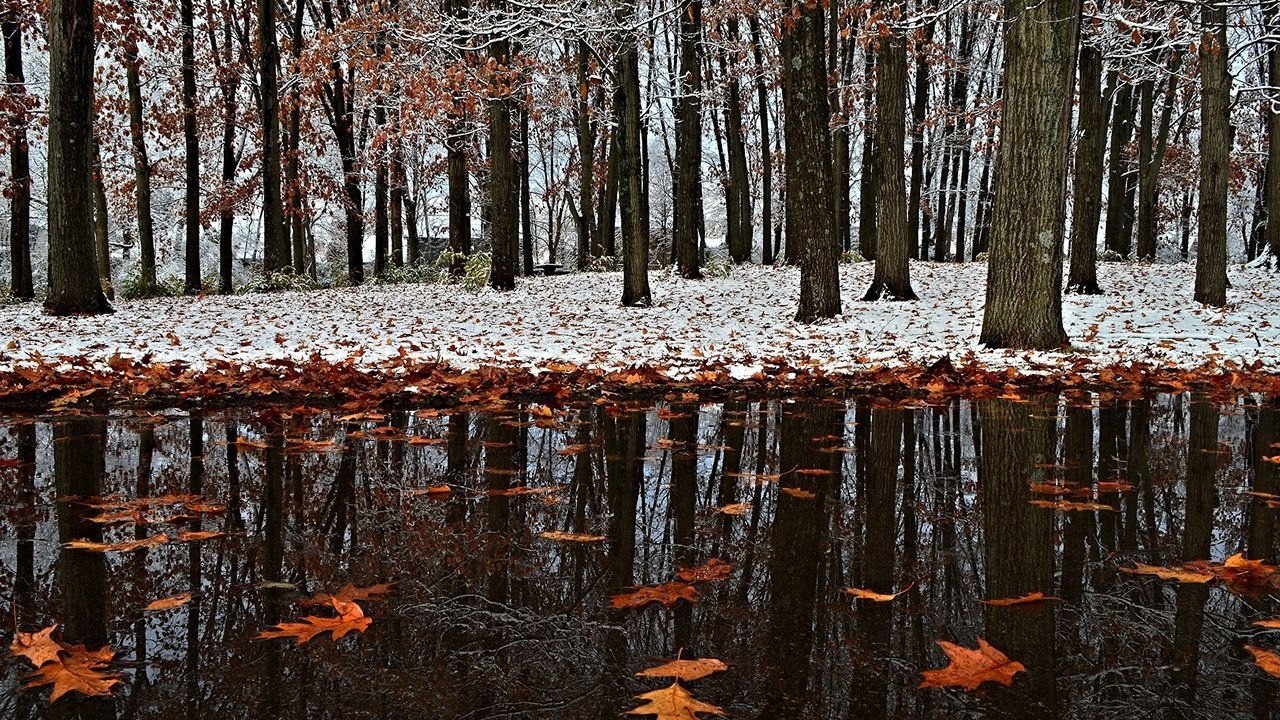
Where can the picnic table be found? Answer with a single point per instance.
(550, 269)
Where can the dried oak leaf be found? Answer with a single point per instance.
(1186, 574)
(686, 670)
(38, 647)
(1265, 659)
(1068, 506)
(734, 508)
(968, 669)
(168, 603)
(1244, 576)
(666, 594)
(1273, 624)
(712, 570)
(561, 536)
(125, 546)
(1028, 599)
(673, 703)
(76, 670)
(350, 593)
(350, 618)
(873, 596)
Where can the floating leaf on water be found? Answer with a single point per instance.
(1186, 574)
(1028, 599)
(125, 546)
(351, 593)
(734, 508)
(1068, 506)
(673, 703)
(969, 669)
(666, 594)
(38, 647)
(713, 570)
(77, 670)
(798, 493)
(168, 603)
(1273, 624)
(1265, 659)
(686, 670)
(350, 618)
(873, 596)
(561, 536)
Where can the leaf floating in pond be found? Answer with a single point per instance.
(520, 490)
(1274, 459)
(1265, 659)
(1195, 574)
(1247, 577)
(435, 491)
(873, 596)
(561, 536)
(350, 618)
(713, 570)
(198, 535)
(1069, 506)
(666, 594)
(757, 478)
(673, 703)
(1028, 599)
(1273, 624)
(969, 669)
(351, 593)
(686, 670)
(734, 508)
(1114, 487)
(125, 546)
(798, 493)
(68, 668)
(168, 603)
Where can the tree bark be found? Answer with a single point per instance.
(631, 195)
(766, 155)
(74, 287)
(810, 231)
(503, 188)
(101, 226)
(869, 182)
(688, 171)
(1151, 161)
(1215, 150)
(191, 140)
(892, 277)
(1024, 273)
(1117, 240)
(275, 252)
(141, 161)
(20, 281)
(1086, 207)
(1272, 192)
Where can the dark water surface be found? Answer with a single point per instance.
(490, 620)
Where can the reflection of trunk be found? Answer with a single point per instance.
(684, 498)
(1018, 548)
(272, 565)
(1202, 464)
(196, 487)
(20, 281)
(797, 554)
(735, 435)
(24, 577)
(624, 448)
(1078, 455)
(79, 463)
(499, 469)
(875, 620)
(1262, 518)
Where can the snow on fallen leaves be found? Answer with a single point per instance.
(68, 668)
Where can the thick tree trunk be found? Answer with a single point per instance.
(869, 182)
(74, 287)
(275, 243)
(191, 138)
(687, 181)
(504, 194)
(810, 218)
(1087, 204)
(631, 194)
(1024, 274)
(738, 192)
(1215, 150)
(892, 278)
(20, 280)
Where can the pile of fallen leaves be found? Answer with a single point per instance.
(68, 668)
(71, 383)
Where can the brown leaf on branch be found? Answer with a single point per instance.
(673, 703)
(686, 670)
(350, 618)
(666, 594)
(969, 669)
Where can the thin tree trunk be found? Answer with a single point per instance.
(631, 194)
(101, 226)
(504, 191)
(141, 162)
(275, 243)
(766, 155)
(1151, 162)
(869, 183)
(20, 281)
(1119, 170)
(191, 137)
(1086, 208)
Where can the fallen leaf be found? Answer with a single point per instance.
(712, 570)
(38, 647)
(168, 603)
(799, 494)
(1265, 659)
(1028, 599)
(125, 546)
(968, 669)
(1184, 574)
(873, 596)
(1273, 624)
(673, 703)
(198, 535)
(686, 670)
(1068, 506)
(561, 536)
(350, 618)
(666, 594)
(734, 509)
(77, 670)
(351, 593)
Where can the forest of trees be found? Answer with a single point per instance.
(282, 134)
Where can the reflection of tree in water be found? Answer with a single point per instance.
(489, 620)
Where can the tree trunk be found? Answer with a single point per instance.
(1087, 205)
(191, 138)
(687, 182)
(20, 280)
(101, 226)
(892, 273)
(1024, 274)
(1152, 160)
(504, 194)
(631, 195)
(1117, 240)
(1272, 10)
(1215, 150)
(586, 160)
(766, 156)
(141, 162)
(227, 216)
(869, 183)
(526, 200)
(738, 193)
(381, 190)
(74, 287)
(275, 243)
(919, 110)
(808, 167)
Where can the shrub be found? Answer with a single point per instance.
(407, 274)
(134, 288)
(283, 281)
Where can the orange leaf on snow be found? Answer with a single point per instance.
(686, 670)
(673, 703)
(969, 669)
(666, 594)
(350, 618)
(712, 570)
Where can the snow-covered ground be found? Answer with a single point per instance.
(741, 321)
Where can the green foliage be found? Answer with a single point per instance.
(134, 288)
(285, 281)
(475, 268)
(408, 274)
(717, 266)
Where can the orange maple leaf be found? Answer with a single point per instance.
(350, 618)
(673, 703)
(77, 670)
(968, 669)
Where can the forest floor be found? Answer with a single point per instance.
(712, 331)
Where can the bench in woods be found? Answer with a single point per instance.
(550, 269)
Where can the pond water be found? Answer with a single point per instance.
(490, 619)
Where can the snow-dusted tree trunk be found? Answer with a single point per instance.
(1215, 151)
